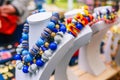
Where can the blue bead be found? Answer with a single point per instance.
(40, 63)
(79, 26)
(40, 42)
(28, 58)
(25, 69)
(55, 14)
(53, 46)
(55, 30)
(63, 28)
(17, 57)
(24, 36)
(54, 21)
(43, 48)
(51, 25)
(87, 18)
(47, 34)
(34, 50)
(25, 52)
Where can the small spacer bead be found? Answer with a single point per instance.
(53, 34)
(46, 44)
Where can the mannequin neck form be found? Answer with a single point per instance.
(37, 22)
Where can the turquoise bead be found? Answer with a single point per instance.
(28, 58)
(40, 42)
(24, 36)
(25, 52)
(51, 25)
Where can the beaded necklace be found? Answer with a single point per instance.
(104, 15)
(49, 40)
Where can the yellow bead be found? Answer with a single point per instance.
(41, 52)
(28, 64)
(46, 44)
(104, 17)
(86, 12)
(57, 26)
(34, 60)
(98, 17)
(53, 34)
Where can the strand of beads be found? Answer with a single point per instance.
(106, 15)
(44, 47)
(76, 24)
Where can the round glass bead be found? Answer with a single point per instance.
(24, 36)
(63, 28)
(79, 26)
(55, 14)
(51, 25)
(40, 63)
(17, 57)
(25, 69)
(57, 26)
(55, 30)
(53, 34)
(40, 42)
(25, 52)
(46, 44)
(28, 58)
(53, 46)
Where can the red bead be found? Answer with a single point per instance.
(69, 20)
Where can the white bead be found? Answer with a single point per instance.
(60, 33)
(48, 53)
(45, 58)
(19, 48)
(19, 65)
(32, 68)
(58, 39)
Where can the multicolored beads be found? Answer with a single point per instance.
(50, 38)
(43, 48)
(104, 15)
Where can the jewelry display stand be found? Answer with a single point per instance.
(89, 57)
(81, 40)
(37, 23)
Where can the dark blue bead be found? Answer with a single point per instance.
(79, 26)
(40, 42)
(87, 18)
(108, 12)
(40, 63)
(43, 48)
(28, 58)
(17, 57)
(51, 25)
(55, 30)
(55, 14)
(54, 21)
(25, 52)
(25, 69)
(24, 36)
(53, 46)
(63, 28)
